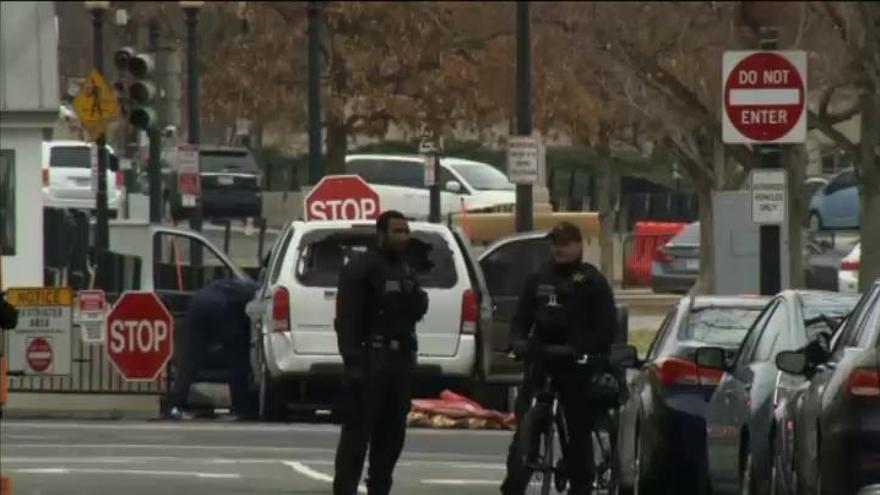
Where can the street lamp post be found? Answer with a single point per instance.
(191, 10)
(524, 207)
(102, 237)
(314, 91)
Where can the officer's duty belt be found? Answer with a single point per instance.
(391, 343)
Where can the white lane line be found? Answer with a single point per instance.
(315, 475)
(30, 437)
(143, 472)
(461, 482)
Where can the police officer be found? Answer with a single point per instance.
(378, 304)
(216, 314)
(567, 302)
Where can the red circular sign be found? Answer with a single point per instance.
(39, 354)
(342, 197)
(140, 336)
(764, 96)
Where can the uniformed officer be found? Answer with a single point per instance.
(567, 302)
(378, 304)
(216, 314)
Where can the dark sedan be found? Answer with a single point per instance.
(740, 416)
(662, 434)
(831, 442)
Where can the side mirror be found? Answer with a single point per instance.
(712, 357)
(626, 356)
(794, 362)
(453, 186)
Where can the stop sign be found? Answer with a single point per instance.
(342, 197)
(764, 97)
(140, 335)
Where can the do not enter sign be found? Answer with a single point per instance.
(140, 336)
(764, 97)
(342, 197)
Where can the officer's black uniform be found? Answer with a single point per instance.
(564, 305)
(377, 306)
(216, 315)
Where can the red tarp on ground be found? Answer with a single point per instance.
(452, 410)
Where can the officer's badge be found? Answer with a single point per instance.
(578, 277)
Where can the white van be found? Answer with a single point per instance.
(400, 182)
(67, 177)
(294, 308)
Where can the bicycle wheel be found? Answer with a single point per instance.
(538, 451)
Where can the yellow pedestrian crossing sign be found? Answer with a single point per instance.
(95, 105)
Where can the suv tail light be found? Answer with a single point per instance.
(849, 266)
(864, 383)
(470, 312)
(660, 256)
(45, 177)
(677, 371)
(281, 310)
(120, 178)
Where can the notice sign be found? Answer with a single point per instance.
(41, 343)
(768, 196)
(522, 159)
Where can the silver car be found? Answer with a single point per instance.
(677, 264)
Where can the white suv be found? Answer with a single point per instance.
(294, 309)
(67, 176)
(400, 182)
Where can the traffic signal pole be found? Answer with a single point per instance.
(102, 237)
(313, 10)
(770, 157)
(524, 206)
(155, 138)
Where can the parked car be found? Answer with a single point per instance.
(230, 181)
(836, 205)
(67, 176)
(848, 276)
(677, 264)
(662, 442)
(400, 182)
(740, 417)
(293, 313)
(813, 184)
(831, 441)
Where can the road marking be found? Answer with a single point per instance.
(315, 475)
(30, 437)
(144, 472)
(462, 482)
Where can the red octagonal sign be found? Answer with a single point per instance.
(764, 97)
(342, 197)
(140, 336)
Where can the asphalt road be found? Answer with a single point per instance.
(219, 458)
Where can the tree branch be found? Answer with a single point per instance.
(826, 128)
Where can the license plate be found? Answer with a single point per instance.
(692, 265)
(226, 181)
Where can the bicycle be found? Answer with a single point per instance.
(536, 444)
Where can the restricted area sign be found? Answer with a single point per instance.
(342, 197)
(41, 343)
(92, 314)
(764, 97)
(768, 190)
(188, 180)
(140, 336)
(522, 159)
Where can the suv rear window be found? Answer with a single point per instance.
(70, 157)
(226, 161)
(323, 253)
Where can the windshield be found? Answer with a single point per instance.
(822, 312)
(323, 253)
(721, 326)
(483, 177)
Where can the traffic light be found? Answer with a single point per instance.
(141, 91)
